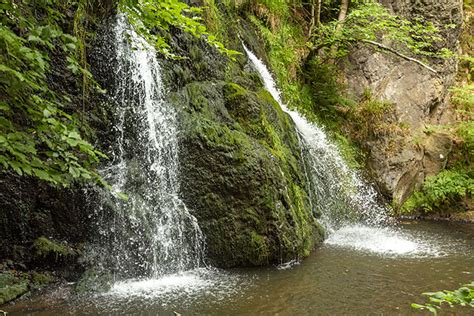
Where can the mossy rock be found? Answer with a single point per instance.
(12, 287)
(41, 279)
(45, 247)
(93, 281)
(242, 174)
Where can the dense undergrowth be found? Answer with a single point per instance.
(40, 132)
(306, 69)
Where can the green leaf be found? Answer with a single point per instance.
(122, 196)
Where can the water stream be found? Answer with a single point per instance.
(153, 233)
(350, 212)
(332, 281)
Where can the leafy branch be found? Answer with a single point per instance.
(463, 296)
(37, 136)
(150, 16)
(371, 23)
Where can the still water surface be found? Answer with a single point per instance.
(358, 271)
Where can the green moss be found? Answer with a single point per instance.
(39, 280)
(93, 281)
(45, 247)
(12, 287)
(234, 92)
(259, 248)
(285, 49)
(243, 148)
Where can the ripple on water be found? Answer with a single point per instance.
(386, 241)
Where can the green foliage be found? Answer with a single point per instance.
(465, 130)
(284, 54)
(463, 296)
(326, 91)
(463, 97)
(319, 95)
(369, 118)
(150, 16)
(446, 188)
(279, 8)
(37, 136)
(370, 21)
(457, 182)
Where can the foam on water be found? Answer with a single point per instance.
(288, 265)
(384, 241)
(191, 284)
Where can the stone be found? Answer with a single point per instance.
(437, 148)
(242, 176)
(11, 287)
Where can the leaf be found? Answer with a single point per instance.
(43, 175)
(122, 196)
(46, 113)
(74, 134)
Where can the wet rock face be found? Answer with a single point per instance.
(419, 98)
(30, 208)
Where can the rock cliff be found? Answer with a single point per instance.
(401, 161)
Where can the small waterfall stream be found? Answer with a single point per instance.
(350, 212)
(152, 233)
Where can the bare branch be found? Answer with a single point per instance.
(382, 46)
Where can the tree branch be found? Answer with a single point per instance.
(382, 46)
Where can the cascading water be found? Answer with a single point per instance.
(350, 212)
(152, 233)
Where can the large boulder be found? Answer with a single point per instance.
(242, 175)
(241, 168)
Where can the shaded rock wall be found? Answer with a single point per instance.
(31, 209)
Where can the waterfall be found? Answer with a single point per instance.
(152, 233)
(350, 212)
(341, 196)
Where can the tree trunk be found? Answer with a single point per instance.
(341, 18)
(342, 14)
(318, 12)
(315, 16)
